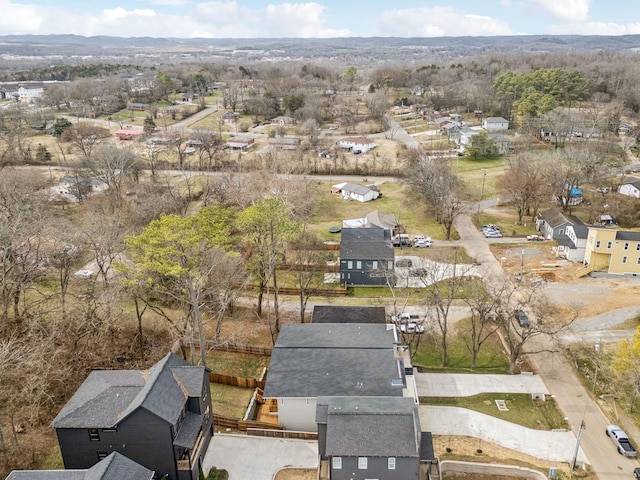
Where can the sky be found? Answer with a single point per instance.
(319, 19)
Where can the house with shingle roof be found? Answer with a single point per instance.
(573, 243)
(630, 188)
(355, 191)
(114, 467)
(357, 144)
(377, 437)
(331, 359)
(553, 223)
(366, 256)
(160, 418)
(614, 251)
(343, 314)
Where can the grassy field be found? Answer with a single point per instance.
(230, 401)
(491, 359)
(332, 209)
(538, 415)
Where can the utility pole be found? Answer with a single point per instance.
(575, 454)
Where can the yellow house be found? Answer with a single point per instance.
(613, 250)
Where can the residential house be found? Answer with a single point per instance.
(357, 144)
(138, 107)
(572, 244)
(354, 191)
(73, 188)
(29, 94)
(553, 223)
(129, 134)
(375, 218)
(369, 437)
(230, 117)
(495, 123)
(283, 121)
(114, 467)
(630, 187)
(240, 143)
(615, 251)
(160, 418)
(504, 144)
(331, 360)
(341, 314)
(366, 257)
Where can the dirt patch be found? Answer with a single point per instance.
(297, 474)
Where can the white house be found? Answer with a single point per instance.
(573, 243)
(357, 144)
(630, 188)
(353, 191)
(29, 95)
(495, 123)
(240, 143)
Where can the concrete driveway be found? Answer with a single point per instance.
(258, 458)
(555, 446)
(464, 385)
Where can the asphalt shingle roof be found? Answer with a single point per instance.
(113, 467)
(371, 426)
(105, 398)
(366, 244)
(341, 314)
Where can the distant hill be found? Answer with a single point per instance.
(381, 47)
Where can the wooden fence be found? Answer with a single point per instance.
(270, 432)
(239, 348)
(241, 382)
(322, 292)
(221, 421)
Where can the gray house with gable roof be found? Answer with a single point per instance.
(160, 418)
(113, 467)
(366, 256)
(369, 437)
(331, 359)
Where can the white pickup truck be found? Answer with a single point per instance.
(408, 323)
(621, 440)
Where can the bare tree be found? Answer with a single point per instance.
(525, 185)
(439, 187)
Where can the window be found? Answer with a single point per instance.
(598, 244)
(626, 245)
(337, 463)
(390, 265)
(374, 264)
(94, 435)
(102, 455)
(349, 264)
(114, 429)
(624, 259)
(561, 231)
(362, 463)
(638, 247)
(638, 262)
(391, 463)
(609, 245)
(358, 264)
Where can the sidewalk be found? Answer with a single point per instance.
(467, 384)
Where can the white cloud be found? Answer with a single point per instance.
(571, 10)
(437, 22)
(595, 28)
(302, 20)
(27, 18)
(172, 3)
(119, 13)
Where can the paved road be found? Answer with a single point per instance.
(570, 395)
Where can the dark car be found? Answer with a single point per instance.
(636, 473)
(522, 318)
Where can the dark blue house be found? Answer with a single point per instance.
(366, 256)
(369, 437)
(114, 467)
(161, 418)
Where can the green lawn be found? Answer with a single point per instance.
(535, 414)
(230, 401)
(412, 214)
(491, 359)
(508, 225)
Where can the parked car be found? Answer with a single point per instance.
(636, 473)
(621, 440)
(603, 190)
(535, 238)
(408, 323)
(523, 319)
(491, 231)
(401, 240)
(422, 243)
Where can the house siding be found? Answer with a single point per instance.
(629, 190)
(142, 437)
(609, 254)
(364, 275)
(297, 413)
(377, 468)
